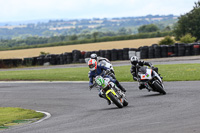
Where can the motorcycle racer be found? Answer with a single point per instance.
(135, 61)
(103, 62)
(96, 70)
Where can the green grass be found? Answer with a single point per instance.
(10, 116)
(172, 72)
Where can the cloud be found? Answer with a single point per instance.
(38, 9)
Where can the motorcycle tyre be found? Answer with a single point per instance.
(158, 88)
(125, 103)
(115, 100)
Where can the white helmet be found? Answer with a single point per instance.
(134, 60)
(92, 64)
(93, 56)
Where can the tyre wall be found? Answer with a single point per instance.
(77, 56)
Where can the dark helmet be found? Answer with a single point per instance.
(134, 60)
(93, 56)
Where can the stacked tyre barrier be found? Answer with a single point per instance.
(188, 50)
(27, 61)
(119, 54)
(164, 51)
(170, 52)
(102, 53)
(125, 53)
(77, 56)
(9, 63)
(181, 49)
(68, 58)
(196, 49)
(108, 54)
(144, 52)
(114, 55)
(157, 50)
(132, 52)
(151, 52)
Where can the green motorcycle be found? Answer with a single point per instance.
(111, 91)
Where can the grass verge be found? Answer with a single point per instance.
(170, 72)
(11, 116)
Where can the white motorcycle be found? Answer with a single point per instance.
(150, 79)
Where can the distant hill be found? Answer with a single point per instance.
(50, 28)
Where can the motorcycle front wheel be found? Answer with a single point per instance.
(159, 88)
(125, 103)
(115, 100)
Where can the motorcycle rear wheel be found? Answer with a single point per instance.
(115, 100)
(159, 88)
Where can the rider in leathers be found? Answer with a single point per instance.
(135, 61)
(96, 70)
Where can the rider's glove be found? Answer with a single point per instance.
(108, 71)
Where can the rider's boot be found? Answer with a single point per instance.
(104, 96)
(141, 86)
(121, 88)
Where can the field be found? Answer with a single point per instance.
(83, 47)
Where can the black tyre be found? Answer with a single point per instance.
(125, 103)
(159, 88)
(115, 100)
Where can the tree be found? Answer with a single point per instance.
(122, 31)
(188, 38)
(73, 37)
(189, 23)
(95, 34)
(167, 41)
(148, 28)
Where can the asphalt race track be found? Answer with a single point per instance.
(76, 109)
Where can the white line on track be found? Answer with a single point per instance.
(48, 115)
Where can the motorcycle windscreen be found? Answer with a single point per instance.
(147, 75)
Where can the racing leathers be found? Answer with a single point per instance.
(98, 71)
(134, 70)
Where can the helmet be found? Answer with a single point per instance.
(93, 56)
(134, 60)
(92, 63)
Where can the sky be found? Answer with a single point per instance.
(23, 10)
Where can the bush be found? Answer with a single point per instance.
(168, 40)
(188, 38)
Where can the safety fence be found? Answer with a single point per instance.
(77, 56)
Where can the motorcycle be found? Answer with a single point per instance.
(110, 90)
(150, 79)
